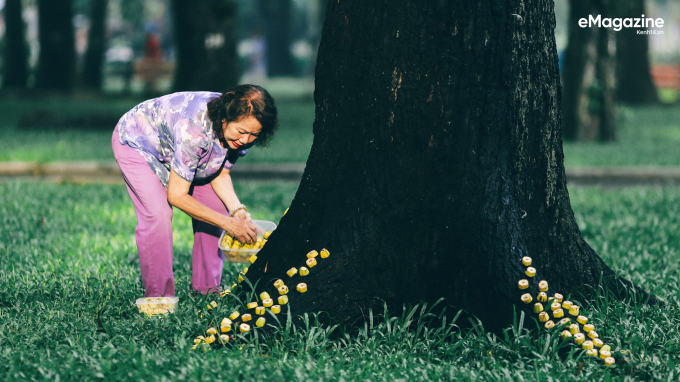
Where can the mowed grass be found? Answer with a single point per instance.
(648, 136)
(292, 141)
(69, 276)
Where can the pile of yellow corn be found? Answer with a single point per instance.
(557, 309)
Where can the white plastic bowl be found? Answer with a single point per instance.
(242, 255)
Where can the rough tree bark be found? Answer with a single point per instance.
(96, 44)
(56, 64)
(588, 76)
(633, 75)
(16, 69)
(436, 166)
(205, 34)
(276, 16)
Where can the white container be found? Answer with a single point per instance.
(242, 255)
(156, 305)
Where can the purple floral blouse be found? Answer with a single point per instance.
(174, 132)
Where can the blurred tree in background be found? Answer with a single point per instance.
(589, 76)
(276, 16)
(634, 83)
(96, 44)
(16, 69)
(56, 64)
(205, 37)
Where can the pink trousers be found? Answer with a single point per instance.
(154, 227)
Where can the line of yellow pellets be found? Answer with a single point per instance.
(557, 309)
(265, 299)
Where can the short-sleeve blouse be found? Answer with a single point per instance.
(174, 132)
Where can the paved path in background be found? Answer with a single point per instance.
(108, 172)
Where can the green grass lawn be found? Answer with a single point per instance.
(647, 135)
(69, 276)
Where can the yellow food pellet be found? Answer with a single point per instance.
(605, 353)
(260, 322)
(234, 286)
(565, 334)
(559, 313)
(574, 328)
(302, 287)
(278, 283)
(267, 302)
(267, 234)
(304, 271)
(593, 334)
(565, 321)
(609, 361)
(582, 320)
(312, 254)
(538, 307)
(246, 317)
(234, 315)
(244, 328)
(587, 345)
(549, 324)
(324, 253)
(606, 348)
(264, 296)
(252, 259)
(259, 310)
(526, 298)
(211, 331)
(588, 327)
(555, 305)
(210, 339)
(526, 260)
(276, 309)
(225, 328)
(225, 292)
(579, 338)
(283, 300)
(240, 278)
(567, 305)
(531, 272)
(543, 286)
(523, 284)
(251, 305)
(543, 317)
(285, 212)
(592, 352)
(283, 289)
(198, 340)
(574, 310)
(194, 347)
(558, 297)
(598, 342)
(245, 270)
(311, 262)
(542, 297)
(224, 339)
(291, 272)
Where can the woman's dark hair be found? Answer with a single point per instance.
(244, 101)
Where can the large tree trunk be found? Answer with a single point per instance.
(56, 64)
(276, 15)
(633, 76)
(96, 44)
(205, 34)
(16, 69)
(589, 81)
(436, 165)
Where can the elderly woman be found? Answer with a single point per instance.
(177, 150)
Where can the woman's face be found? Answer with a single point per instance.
(239, 133)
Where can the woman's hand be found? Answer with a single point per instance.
(243, 215)
(242, 230)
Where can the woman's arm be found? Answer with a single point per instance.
(224, 189)
(178, 196)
